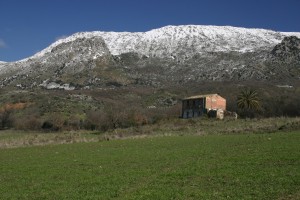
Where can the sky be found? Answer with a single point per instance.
(29, 26)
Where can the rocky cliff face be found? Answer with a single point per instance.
(288, 50)
(170, 55)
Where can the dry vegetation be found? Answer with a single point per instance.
(108, 109)
(164, 127)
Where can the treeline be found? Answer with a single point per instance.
(111, 109)
(111, 117)
(114, 116)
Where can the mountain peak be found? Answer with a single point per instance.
(175, 40)
(169, 54)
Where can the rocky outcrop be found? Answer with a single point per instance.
(288, 50)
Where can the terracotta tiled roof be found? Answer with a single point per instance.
(200, 96)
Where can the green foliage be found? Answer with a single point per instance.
(102, 108)
(248, 103)
(248, 100)
(253, 166)
(5, 119)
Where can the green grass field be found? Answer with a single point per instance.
(241, 166)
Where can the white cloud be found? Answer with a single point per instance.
(61, 37)
(2, 44)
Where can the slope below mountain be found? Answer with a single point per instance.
(66, 62)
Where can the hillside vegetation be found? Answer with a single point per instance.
(123, 107)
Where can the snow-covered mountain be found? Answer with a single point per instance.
(2, 64)
(177, 40)
(171, 53)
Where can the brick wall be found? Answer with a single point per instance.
(215, 102)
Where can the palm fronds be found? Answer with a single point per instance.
(248, 99)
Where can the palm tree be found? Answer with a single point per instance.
(248, 100)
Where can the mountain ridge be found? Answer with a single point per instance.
(169, 55)
(236, 37)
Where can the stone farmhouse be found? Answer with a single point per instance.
(195, 106)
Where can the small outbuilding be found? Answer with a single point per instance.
(196, 106)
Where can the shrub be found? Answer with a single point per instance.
(73, 123)
(27, 123)
(54, 122)
(93, 120)
(5, 119)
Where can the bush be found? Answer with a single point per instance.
(54, 122)
(113, 117)
(94, 120)
(5, 119)
(27, 123)
(73, 123)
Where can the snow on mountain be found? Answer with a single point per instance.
(291, 34)
(175, 54)
(2, 64)
(182, 40)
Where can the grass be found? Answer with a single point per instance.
(205, 126)
(240, 166)
(169, 127)
(14, 139)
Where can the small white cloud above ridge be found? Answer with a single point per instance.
(61, 37)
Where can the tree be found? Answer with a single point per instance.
(249, 102)
(5, 119)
